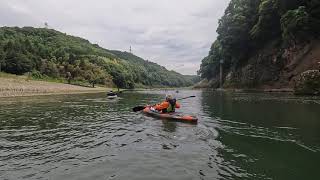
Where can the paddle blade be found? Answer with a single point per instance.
(138, 108)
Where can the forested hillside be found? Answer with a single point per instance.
(265, 43)
(49, 53)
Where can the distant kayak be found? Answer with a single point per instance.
(112, 97)
(170, 116)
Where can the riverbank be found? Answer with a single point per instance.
(22, 86)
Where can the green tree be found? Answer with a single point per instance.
(66, 54)
(2, 57)
(49, 68)
(17, 64)
(94, 74)
(295, 25)
(268, 25)
(234, 29)
(118, 79)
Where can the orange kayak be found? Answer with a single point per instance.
(170, 116)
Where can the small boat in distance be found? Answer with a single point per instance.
(111, 95)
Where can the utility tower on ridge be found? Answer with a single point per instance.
(46, 25)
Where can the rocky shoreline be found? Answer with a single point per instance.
(307, 83)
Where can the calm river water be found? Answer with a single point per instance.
(239, 136)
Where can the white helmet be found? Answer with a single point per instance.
(169, 97)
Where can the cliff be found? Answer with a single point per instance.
(265, 44)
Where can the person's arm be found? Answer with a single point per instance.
(163, 105)
(178, 105)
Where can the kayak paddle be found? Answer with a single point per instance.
(186, 98)
(140, 108)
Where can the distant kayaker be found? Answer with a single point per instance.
(168, 106)
(111, 93)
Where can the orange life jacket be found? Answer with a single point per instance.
(167, 106)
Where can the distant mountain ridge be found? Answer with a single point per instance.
(50, 53)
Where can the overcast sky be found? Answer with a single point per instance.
(176, 34)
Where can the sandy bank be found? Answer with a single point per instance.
(20, 86)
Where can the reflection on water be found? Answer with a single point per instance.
(239, 136)
(169, 126)
(268, 136)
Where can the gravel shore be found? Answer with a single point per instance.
(10, 87)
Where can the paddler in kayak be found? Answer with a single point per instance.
(111, 93)
(167, 106)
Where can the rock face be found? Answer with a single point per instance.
(308, 83)
(262, 68)
(205, 83)
(277, 68)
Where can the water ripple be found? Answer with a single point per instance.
(91, 137)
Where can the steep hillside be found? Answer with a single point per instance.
(47, 52)
(265, 44)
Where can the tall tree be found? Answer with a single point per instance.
(17, 63)
(2, 56)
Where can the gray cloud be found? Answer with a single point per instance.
(174, 33)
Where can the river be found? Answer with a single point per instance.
(86, 136)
